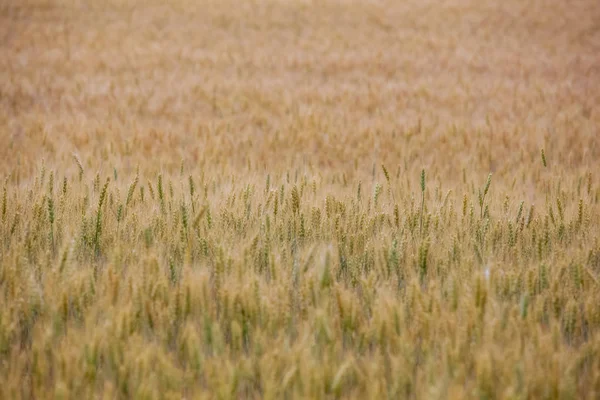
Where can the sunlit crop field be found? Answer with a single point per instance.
(299, 199)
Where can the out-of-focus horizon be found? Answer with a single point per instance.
(448, 85)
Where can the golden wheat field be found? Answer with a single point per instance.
(289, 199)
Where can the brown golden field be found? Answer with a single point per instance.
(299, 199)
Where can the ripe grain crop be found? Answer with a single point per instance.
(299, 199)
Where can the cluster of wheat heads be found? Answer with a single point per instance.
(293, 199)
(296, 284)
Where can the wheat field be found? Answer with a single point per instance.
(288, 199)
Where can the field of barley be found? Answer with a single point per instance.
(296, 199)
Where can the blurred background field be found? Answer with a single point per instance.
(223, 199)
(339, 85)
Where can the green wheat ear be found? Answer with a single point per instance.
(99, 217)
(481, 196)
(422, 200)
(544, 158)
(131, 190)
(385, 172)
(4, 204)
(487, 184)
(295, 200)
